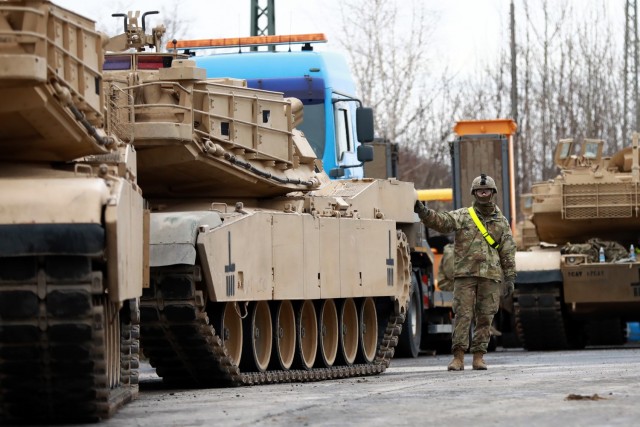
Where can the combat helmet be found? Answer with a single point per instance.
(481, 182)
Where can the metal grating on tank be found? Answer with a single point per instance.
(119, 112)
(610, 200)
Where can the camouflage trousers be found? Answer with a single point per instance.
(474, 295)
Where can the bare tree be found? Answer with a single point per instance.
(570, 69)
(390, 65)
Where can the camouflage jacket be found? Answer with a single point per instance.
(446, 269)
(473, 255)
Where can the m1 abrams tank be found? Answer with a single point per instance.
(566, 296)
(71, 225)
(262, 269)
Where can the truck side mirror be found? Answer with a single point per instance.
(365, 153)
(364, 124)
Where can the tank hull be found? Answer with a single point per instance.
(273, 254)
(61, 287)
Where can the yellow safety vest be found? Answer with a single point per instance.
(483, 230)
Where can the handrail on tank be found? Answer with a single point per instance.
(17, 35)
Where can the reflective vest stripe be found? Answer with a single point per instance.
(483, 230)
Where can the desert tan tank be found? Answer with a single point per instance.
(262, 269)
(526, 235)
(566, 296)
(71, 225)
(594, 195)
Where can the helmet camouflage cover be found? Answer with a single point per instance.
(483, 181)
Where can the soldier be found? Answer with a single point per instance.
(484, 266)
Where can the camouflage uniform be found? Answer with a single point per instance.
(479, 270)
(446, 268)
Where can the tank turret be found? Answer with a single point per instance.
(211, 138)
(593, 196)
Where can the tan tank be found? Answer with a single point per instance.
(594, 196)
(566, 296)
(262, 269)
(526, 235)
(71, 225)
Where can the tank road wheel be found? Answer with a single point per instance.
(329, 335)
(284, 336)
(348, 323)
(409, 342)
(368, 331)
(259, 337)
(307, 334)
(231, 331)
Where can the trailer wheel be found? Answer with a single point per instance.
(409, 342)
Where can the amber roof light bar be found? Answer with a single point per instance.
(247, 41)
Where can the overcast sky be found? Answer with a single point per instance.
(466, 29)
(467, 33)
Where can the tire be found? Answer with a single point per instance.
(409, 342)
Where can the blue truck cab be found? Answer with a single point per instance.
(334, 121)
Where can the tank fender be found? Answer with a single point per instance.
(538, 266)
(31, 200)
(125, 234)
(174, 234)
(33, 222)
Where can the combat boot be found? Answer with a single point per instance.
(457, 364)
(478, 362)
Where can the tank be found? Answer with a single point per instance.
(566, 296)
(526, 235)
(262, 269)
(72, 240)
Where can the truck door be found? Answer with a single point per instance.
(345, 137)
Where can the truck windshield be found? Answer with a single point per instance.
(313, 126)
(309, 90)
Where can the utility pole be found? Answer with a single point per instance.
(514, 65)
(631, 110)
(261, 12)
(514, 92)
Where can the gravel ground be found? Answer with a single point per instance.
(593, 387)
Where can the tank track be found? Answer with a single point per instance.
(606, 331)
(184, 347)
(538, 314)
(55, 339)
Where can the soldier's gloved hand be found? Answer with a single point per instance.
(507, 287)
(421, 209)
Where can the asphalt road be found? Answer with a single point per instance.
(593, 387)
